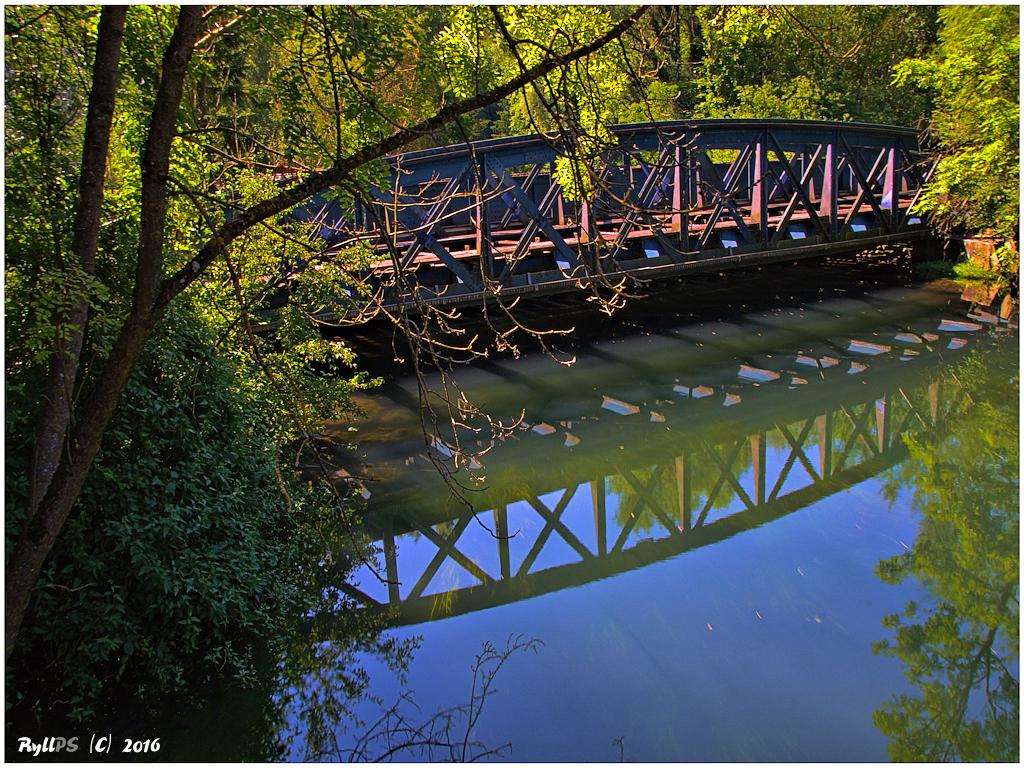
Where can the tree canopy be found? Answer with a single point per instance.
(974, 75)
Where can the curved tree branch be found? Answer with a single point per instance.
(320, 181)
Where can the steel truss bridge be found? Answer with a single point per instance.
(492, 220)
(671, 491)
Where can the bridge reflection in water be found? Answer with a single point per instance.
(575, 501)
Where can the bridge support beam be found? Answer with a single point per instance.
(391, 565)
(480, 221)
(680, 195)
(683, 494)
(598, 499)
(829, 206)
(501, 531)
(890, 189)
(882, 418)
(758, 451)
(759, 187)
(825, 445)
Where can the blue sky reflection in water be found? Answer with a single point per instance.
(632, 655)
(742, 629)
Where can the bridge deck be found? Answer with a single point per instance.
(461, 241)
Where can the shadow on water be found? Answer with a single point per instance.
(662, 304)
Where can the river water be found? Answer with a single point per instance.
(778, 528)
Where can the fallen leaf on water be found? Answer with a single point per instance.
(801, 571)
(758, 614)
(710, 628)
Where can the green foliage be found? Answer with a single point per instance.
(609, 86)
(55, 292)
(811, 61)
(659, 103)
(192, 542)
(974, 76)
(798, 99)
(960, 650)
(183, 552)
(43, 115)
(968, 270)
(591, 96)
(467, 52)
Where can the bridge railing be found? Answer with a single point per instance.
(502, 215)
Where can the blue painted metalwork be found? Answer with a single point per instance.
(489, 220)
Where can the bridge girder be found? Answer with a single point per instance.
(491, 220)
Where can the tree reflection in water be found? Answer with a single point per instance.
(402, 733)
(322, 682)
(960, 646)
(324, 689)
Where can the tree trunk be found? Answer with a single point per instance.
(40, 532)
(55, 413)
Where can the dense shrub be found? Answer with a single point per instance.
(182, 549)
